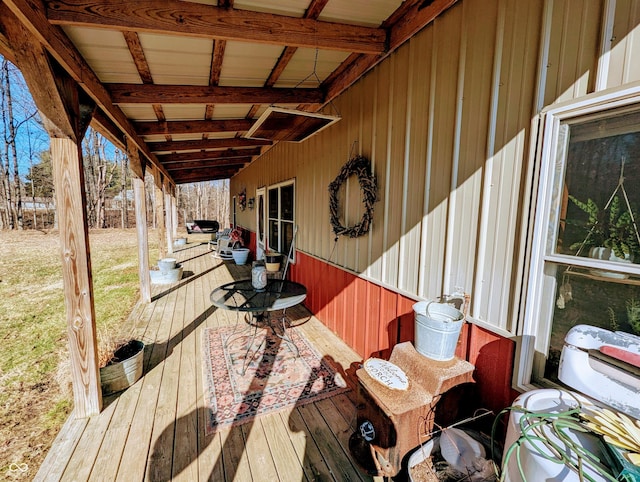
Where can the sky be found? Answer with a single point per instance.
(30, 130)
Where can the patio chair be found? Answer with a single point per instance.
(224, 234)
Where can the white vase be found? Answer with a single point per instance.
(240, 255)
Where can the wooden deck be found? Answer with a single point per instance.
(155, 429)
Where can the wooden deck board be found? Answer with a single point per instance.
(209, 446)
(86, 452)
(234, 456)
(139, 443)
(155, 430)
(331, 448)
(281, 448)
(259, 457)
(308, 451)
(160, 455)
(185, 444)
(63, 446)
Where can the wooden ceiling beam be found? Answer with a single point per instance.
(176, 146)
(103, 124)
(215, 163)
(198, 20)
(312, 12)
(219, 47)
(51, 91)
(417, 16)
(139, 58)
(5, 50)
(204, 175)
(167, 159)
(208, 94)
(31, 15)
(192, 127)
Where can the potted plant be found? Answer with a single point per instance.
(238, 251)
(632, 306)
(610, 233)
(121, 364)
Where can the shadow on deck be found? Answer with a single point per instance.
(155, 430)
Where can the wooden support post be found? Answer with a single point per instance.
(66, 112)
(160, 216)
(168, 210)
(140, 200)
(174, 213)
(76, 272)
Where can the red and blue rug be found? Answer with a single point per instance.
(242, 381)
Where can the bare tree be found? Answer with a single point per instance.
(205, 200)
(124, 218)
(9, 144)
(17, 111)
(99, 175)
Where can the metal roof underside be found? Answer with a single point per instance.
(191, 78)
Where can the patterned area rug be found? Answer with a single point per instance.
(245, 378)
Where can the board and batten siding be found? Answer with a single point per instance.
(446, 121)
(446, 143)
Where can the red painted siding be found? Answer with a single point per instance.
(372, 320)
(492, 356)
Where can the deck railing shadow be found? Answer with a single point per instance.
(192, 277)
(165, 348)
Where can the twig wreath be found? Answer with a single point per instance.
(361, 167)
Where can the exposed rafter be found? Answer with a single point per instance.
(197, 20)
(176, 146)
(198, 175)
(192, 127)
(5, 50)
(213, 164)
(166, 160)
(190, 110)
(202, 94)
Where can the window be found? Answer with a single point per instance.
(585, 264)
(281, 216)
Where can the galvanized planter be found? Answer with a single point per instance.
(125, 370)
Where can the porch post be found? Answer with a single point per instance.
(68, 178)
(65, 112)
(140, 200)
(174, 212)
(168, 212)
(160, 216)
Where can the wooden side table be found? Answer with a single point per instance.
(397, 421)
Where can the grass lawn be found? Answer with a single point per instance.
(36, 398)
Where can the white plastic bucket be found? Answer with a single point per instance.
(437, 328)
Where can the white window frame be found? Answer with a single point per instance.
(279, 186)
(261, 193)
(541, 290)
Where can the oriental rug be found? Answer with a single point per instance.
(243, 381)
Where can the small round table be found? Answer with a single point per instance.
(240, 296)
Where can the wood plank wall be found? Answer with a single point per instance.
(446, 122)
